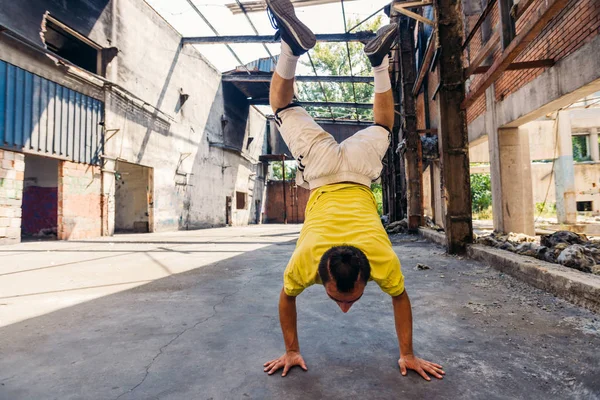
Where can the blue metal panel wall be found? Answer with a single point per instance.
(38, 115)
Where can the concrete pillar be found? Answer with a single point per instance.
(564, 172)
(512, 190)
(108, 197)
(594, 151)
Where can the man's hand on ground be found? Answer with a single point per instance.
(286, 361)
(420, 366)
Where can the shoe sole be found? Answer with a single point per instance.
(285, 14)
(384, 39)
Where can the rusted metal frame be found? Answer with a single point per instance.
(413, 154)
(485, 52)
(284, 196)
(519, 65)
(212, 28)
(320, 84)
(453, 138)
(298, 78)
(260, 102)
(426, 63)
(323, 37)
(349, 58)
(522, 6)
(482, 17)
(523, 39)
(254, 29)
(366, 19)
(403, 10)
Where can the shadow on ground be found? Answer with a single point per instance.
(204, 334)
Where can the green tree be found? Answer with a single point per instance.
(481, 192)
(332, 59)
(290, 170)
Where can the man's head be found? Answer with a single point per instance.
(344, 271)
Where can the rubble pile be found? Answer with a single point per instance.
(397, 227)
(563, 247)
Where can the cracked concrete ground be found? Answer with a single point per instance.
(193, 315)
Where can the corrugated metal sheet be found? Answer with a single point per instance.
(41, 116)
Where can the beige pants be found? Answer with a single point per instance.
(323, 161)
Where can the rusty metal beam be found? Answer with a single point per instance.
(484, 53)
(413, 160)
(265, 102)
(298, 78)
(519, 65)
(539, 20)
(327, 37)
(431, 46)
(453, 140)
(482, 17)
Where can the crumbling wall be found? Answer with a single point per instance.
(12, 167)
(79, 201)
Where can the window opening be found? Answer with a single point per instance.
(71, 45)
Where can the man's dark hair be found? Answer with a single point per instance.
(345, 265)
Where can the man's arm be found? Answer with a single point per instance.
(287, 319)
(403, 321)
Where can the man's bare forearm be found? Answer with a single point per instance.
(403, 321)
(287, 319)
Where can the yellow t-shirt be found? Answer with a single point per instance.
(342, 214)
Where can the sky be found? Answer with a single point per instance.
(321, 19)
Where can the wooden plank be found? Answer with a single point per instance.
(539, 20)
(413, 15)
(482, 17)
(329, 37)
(426, 63)
(519, 65)
(411, 4)
(300, 78)
(484, 53)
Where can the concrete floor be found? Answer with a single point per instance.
(193, 315)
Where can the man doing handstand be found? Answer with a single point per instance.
(342, 244)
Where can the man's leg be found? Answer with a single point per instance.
(377, 50)
(296, 39)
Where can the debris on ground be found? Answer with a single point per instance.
(422, 267)
(567, 248)
(397, 227)
(432, 225)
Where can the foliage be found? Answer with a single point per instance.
(481, 192)
(332, 59)
(290, 171)
(580, 148)
(378, 193)
(484, 214)
(545, 209)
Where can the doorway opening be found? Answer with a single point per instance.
(134, 190)
(39, 219)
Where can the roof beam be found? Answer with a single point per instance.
(538, 21)
(301, 78)
(264, 102)
(333, 37)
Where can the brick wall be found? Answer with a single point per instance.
(12, 167)
(575, 25)
(79, 201)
